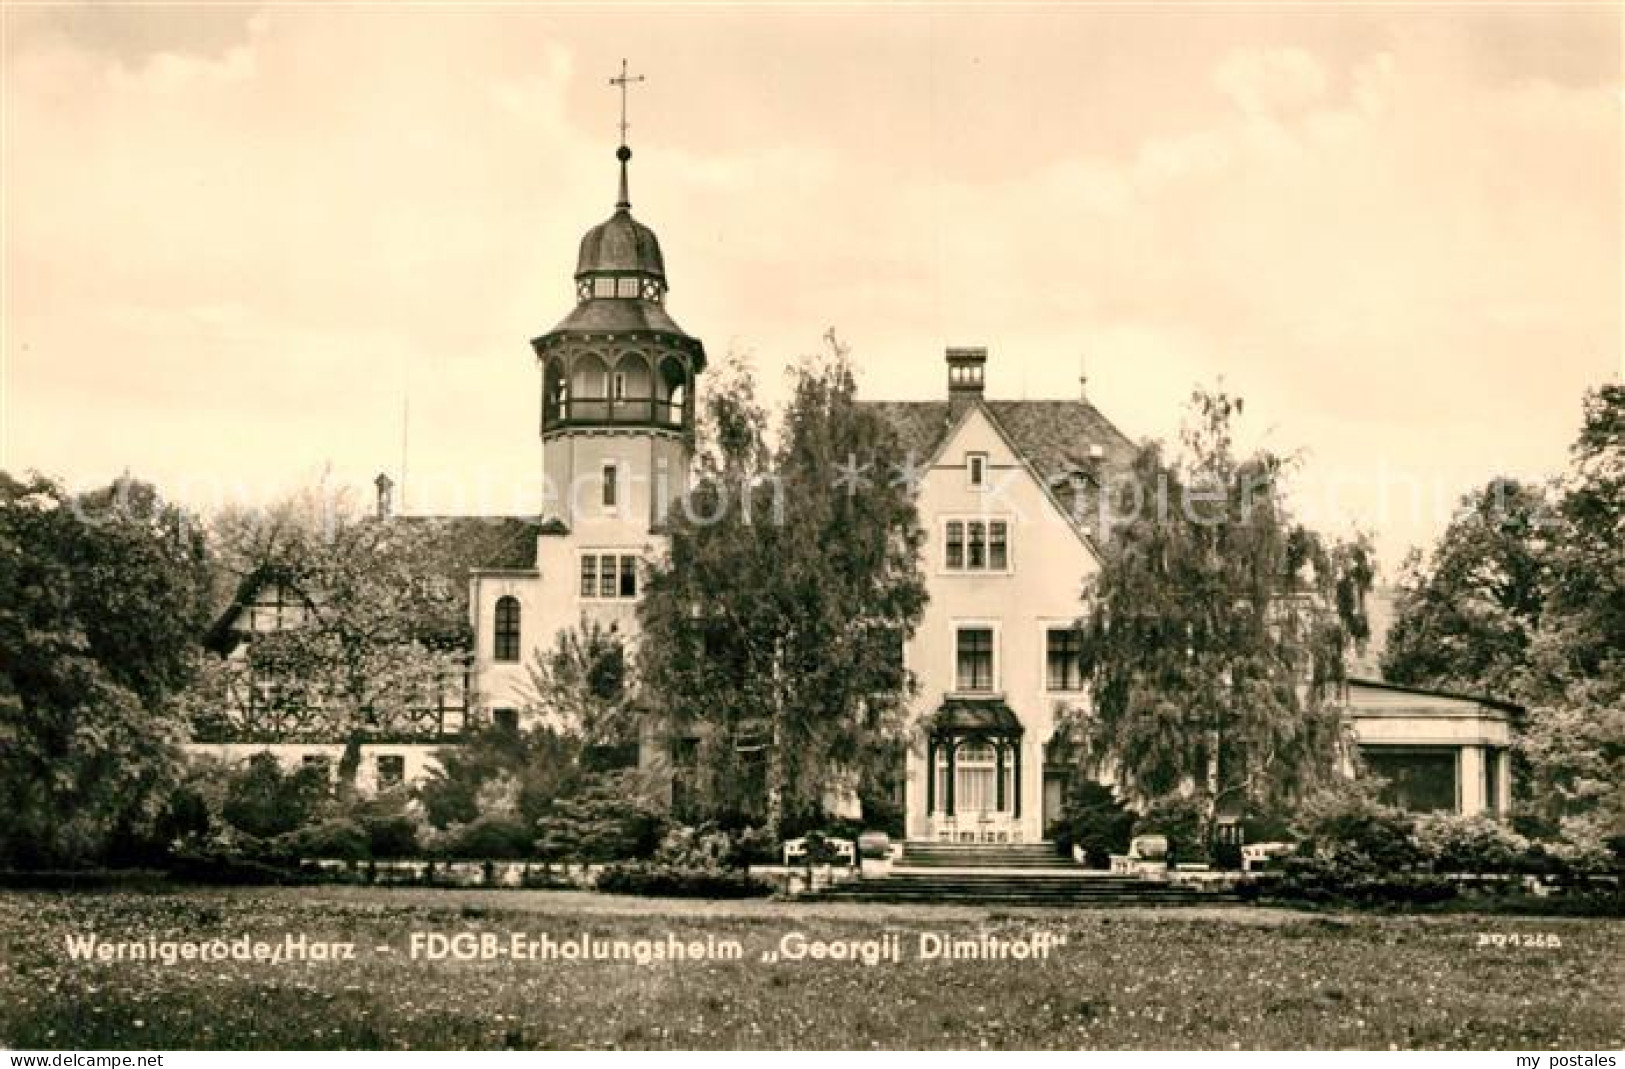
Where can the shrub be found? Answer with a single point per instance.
(486, 838)
(336, 838)
(1355, 881)
(1093, 820)
(881, 812)
(540, 763)
(755, 846)
(262, 800)
(1180, 819)
(651, 878)
(392, 827)
(1451, 843)
(710, 847)
(1347, 824)
(609, 819)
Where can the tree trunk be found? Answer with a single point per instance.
(1210, 803)
(775, 753)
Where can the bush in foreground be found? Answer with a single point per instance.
(653, 878)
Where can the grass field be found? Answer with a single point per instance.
(1207, 978)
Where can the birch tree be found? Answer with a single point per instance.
(1217, 628)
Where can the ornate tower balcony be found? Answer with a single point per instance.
(618, 361)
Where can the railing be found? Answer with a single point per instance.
(290, 725)
(599, 410)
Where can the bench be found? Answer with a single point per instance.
(795, 851)
(1260, 854)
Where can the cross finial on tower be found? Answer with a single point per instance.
(622, 82)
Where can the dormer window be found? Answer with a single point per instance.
(976, 468)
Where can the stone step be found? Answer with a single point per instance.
(999, 862)
(1036, 851)
(1048, 877)
(1016, 895)
(980, 884)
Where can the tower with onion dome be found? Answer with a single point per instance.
(617, 383)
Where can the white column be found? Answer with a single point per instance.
(1470, 769)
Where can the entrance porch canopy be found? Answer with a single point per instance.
(969, 721)
(972, 717)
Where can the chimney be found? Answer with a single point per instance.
(965, 368)
(386, 495)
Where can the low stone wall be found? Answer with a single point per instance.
(424, 873)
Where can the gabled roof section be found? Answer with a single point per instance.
(456, 546)
(1054, 438)
(221, 637)
(464, 543)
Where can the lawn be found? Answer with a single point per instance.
(1220, 977)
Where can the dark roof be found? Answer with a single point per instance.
(1054, 437)
(464, 543)
(220, 637)
(456, 546)
(618, 315)
(1428, 692)
(969, 715)
(621, 244)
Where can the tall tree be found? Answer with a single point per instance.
(773, 628)
(102, 597)
(1523, 598)
(1574, 740)
(583, 686)
(1217, 627)
(1465, 616)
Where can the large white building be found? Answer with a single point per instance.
(1007, 496)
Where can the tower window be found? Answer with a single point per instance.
(626, 287)
(506, 638)
(609, 575)
(611, 480)
(603, 287)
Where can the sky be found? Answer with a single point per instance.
(247, 245)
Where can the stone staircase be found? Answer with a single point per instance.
(1015, 875)
(1023, 856)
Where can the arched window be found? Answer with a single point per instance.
(977, 769)
(507, 629)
